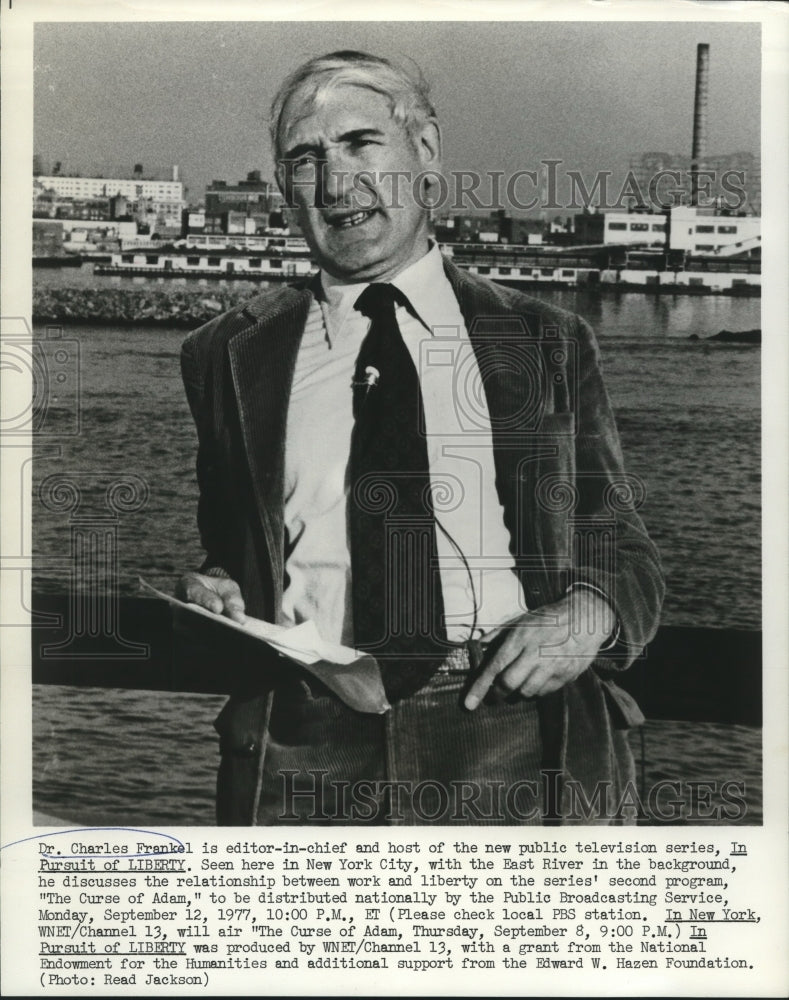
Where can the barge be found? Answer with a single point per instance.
(608, 267)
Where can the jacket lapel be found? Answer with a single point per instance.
(262, 361)
(495, 329)
(510, 351)
(488, 318)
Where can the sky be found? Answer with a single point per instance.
(508, 94)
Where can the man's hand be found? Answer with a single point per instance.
(218, 594)
(543, 650)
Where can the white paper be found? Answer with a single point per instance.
(300, 643)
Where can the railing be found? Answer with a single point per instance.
(687, 673)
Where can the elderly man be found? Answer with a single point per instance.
(425, 464)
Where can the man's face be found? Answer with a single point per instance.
(350, 171)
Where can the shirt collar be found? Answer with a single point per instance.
(424, 283)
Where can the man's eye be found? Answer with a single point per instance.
(305, 167)
(305, 161)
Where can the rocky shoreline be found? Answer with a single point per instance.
(181, 307)
(187, 308)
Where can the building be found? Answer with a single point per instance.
(642, 228)
(249, 196)
(250, 206)
(691, 230)
(494, 227)
(704, 233)
(54, 237)
(47, 238)
(152, 201)
(589, 227)
(45, 201)
(136, 187)
(467, 228)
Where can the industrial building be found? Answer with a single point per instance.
(696, 220)
(699, 232)
(251, 206)
(685, 228)
(631, 228)
(134, 187)
(153, 202)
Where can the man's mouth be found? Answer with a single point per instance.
(349, 220)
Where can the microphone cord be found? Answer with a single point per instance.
(461, 555)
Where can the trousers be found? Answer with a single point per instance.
(428, 760)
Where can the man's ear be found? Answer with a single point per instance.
(279, 177)
(428, 143)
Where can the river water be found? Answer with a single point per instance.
(688, 414)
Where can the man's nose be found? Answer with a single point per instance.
(336, 176)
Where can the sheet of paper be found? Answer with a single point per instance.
(353, 676)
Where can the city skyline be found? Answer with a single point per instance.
(162, 93)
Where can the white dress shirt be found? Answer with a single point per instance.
(460, 454)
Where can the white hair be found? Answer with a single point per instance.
(408, 96)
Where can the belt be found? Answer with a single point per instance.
(462, 659)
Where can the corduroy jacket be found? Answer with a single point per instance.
(570, 508)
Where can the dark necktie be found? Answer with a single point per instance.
(398, 609)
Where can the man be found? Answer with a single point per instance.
(334, 418)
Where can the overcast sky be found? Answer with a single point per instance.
(508, 94)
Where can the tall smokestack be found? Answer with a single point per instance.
(699, 151)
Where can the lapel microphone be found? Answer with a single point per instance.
(370, 380)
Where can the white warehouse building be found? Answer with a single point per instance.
(691, 230)
(132, 188)
(634, 227)
(704, 233)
